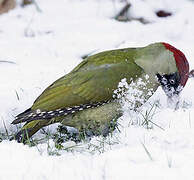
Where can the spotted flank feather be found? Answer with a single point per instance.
(29, 115)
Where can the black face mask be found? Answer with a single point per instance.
(170, 83)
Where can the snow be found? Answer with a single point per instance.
(44, 46)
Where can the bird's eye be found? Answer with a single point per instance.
(172, 81)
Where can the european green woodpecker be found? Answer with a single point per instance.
(84, 98)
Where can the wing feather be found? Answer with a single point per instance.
(92, 81)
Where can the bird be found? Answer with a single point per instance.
(85, 98)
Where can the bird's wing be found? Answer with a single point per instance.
(86, 84)
(92, 82)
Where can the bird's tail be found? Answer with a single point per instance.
(31, 115)
(29, 129)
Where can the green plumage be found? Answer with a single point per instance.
(94, 80)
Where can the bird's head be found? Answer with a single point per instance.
(173, 82)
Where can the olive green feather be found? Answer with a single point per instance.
(93, 82)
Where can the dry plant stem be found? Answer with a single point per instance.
(124, 16)
(121, 16)
(9, 62)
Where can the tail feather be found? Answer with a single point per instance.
(29, 115)
(26, 112)
(29, 129)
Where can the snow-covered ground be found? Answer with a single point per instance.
(43, 46)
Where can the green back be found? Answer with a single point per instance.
(93, 80)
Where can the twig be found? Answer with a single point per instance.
(36, 5)
(121, 16)
(10, 62)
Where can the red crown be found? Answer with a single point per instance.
(181, 63)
